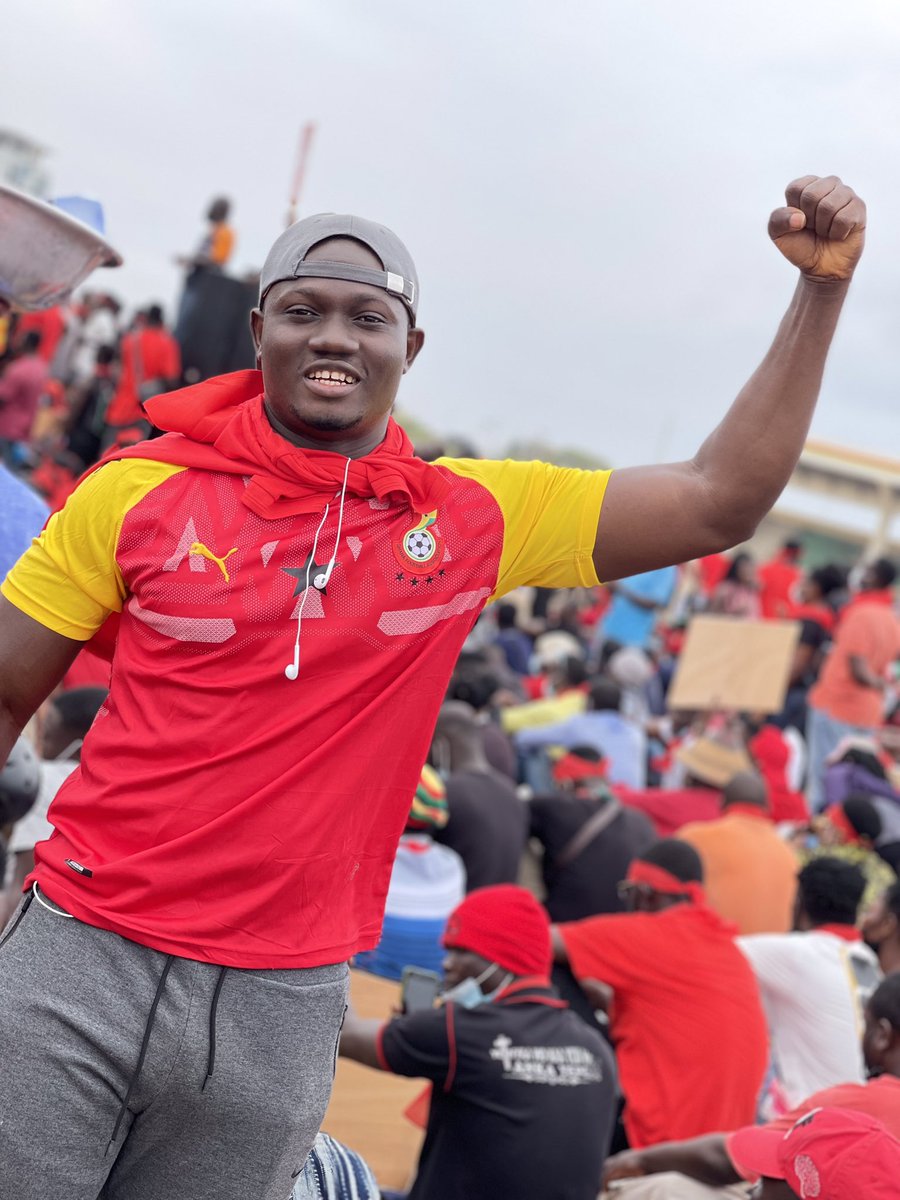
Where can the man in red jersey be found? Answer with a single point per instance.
(292, 587)
(668, 972)
(706, 1167)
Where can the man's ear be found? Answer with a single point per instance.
(256, 328)
(415, 340)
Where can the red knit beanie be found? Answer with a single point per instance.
(505, 925)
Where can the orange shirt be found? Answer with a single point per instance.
(687, 1020)
(869, 630)
(750, 873)
(221, 244)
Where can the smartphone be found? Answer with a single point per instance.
(419, 989)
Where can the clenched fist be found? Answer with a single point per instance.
(822, 228)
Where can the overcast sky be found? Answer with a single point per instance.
(584, 186)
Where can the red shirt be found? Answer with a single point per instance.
(879, 1098)
(223, 811)
(777, 580)
(687, 1020)
(148, 355)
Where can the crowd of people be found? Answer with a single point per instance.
(640, 950)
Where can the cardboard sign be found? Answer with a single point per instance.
(734, 664)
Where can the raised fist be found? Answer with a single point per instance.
(822, 228)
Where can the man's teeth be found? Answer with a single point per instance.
(331, 377)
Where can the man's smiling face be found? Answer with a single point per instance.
(333, 353)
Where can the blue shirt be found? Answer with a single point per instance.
(628, 623)
(22, 517)
(620, 742)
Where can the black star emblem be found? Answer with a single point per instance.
(414, 582)
(399, 577)
(310, 570)
(430, 579)
(441, 573)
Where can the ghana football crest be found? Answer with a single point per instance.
(421, 548)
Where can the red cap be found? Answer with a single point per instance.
(830, 1154)
(505, 925)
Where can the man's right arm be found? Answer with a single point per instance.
(33, 660)
(705, 1159)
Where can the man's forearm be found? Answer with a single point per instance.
(747, 460)
(704, 1159)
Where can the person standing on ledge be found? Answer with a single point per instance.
(292, 588)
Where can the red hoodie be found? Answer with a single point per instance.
(223, 810)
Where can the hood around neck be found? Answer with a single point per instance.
(221, 425)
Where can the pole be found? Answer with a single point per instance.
(303, 147)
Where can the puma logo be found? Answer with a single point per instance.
(199, 548)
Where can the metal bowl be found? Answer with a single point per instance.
(44, 253)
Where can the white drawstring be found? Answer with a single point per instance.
(49, 907)
(292, 670)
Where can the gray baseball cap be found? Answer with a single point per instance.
(287, 258)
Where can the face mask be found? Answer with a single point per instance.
(468, 993)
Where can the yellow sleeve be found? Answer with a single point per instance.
(535, 713)
(68, 580)
(550, 517)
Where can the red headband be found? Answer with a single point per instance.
(573, 768)
(841, 822)
(663, 881)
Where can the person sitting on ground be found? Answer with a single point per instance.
(567, 685)
(705, 1167)
(427, 883)
(476, 684)
(703, 766)
(334, 1172)
(880, 928)
(622, 744)
(524, 1093)
(814, 983)
(515, 644)
(749, 872)
(588, 838)
(488, 825)
(849, 831)
(685, 1012)
(830, 1152)
(858, 767)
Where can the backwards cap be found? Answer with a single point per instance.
(829, 1154)
(287, 258)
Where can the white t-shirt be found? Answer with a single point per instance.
(34, 826)
(814, 987)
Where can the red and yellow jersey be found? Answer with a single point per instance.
(223, 811)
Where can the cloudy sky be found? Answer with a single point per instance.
(584, 185)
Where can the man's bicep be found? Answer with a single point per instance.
(653, 517)
(33, 660)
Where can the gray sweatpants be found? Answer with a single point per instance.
(135, 1075)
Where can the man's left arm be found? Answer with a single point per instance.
(416, 1045)
(657, 515)
(360, 1039)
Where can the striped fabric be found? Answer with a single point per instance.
(333, 1172)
